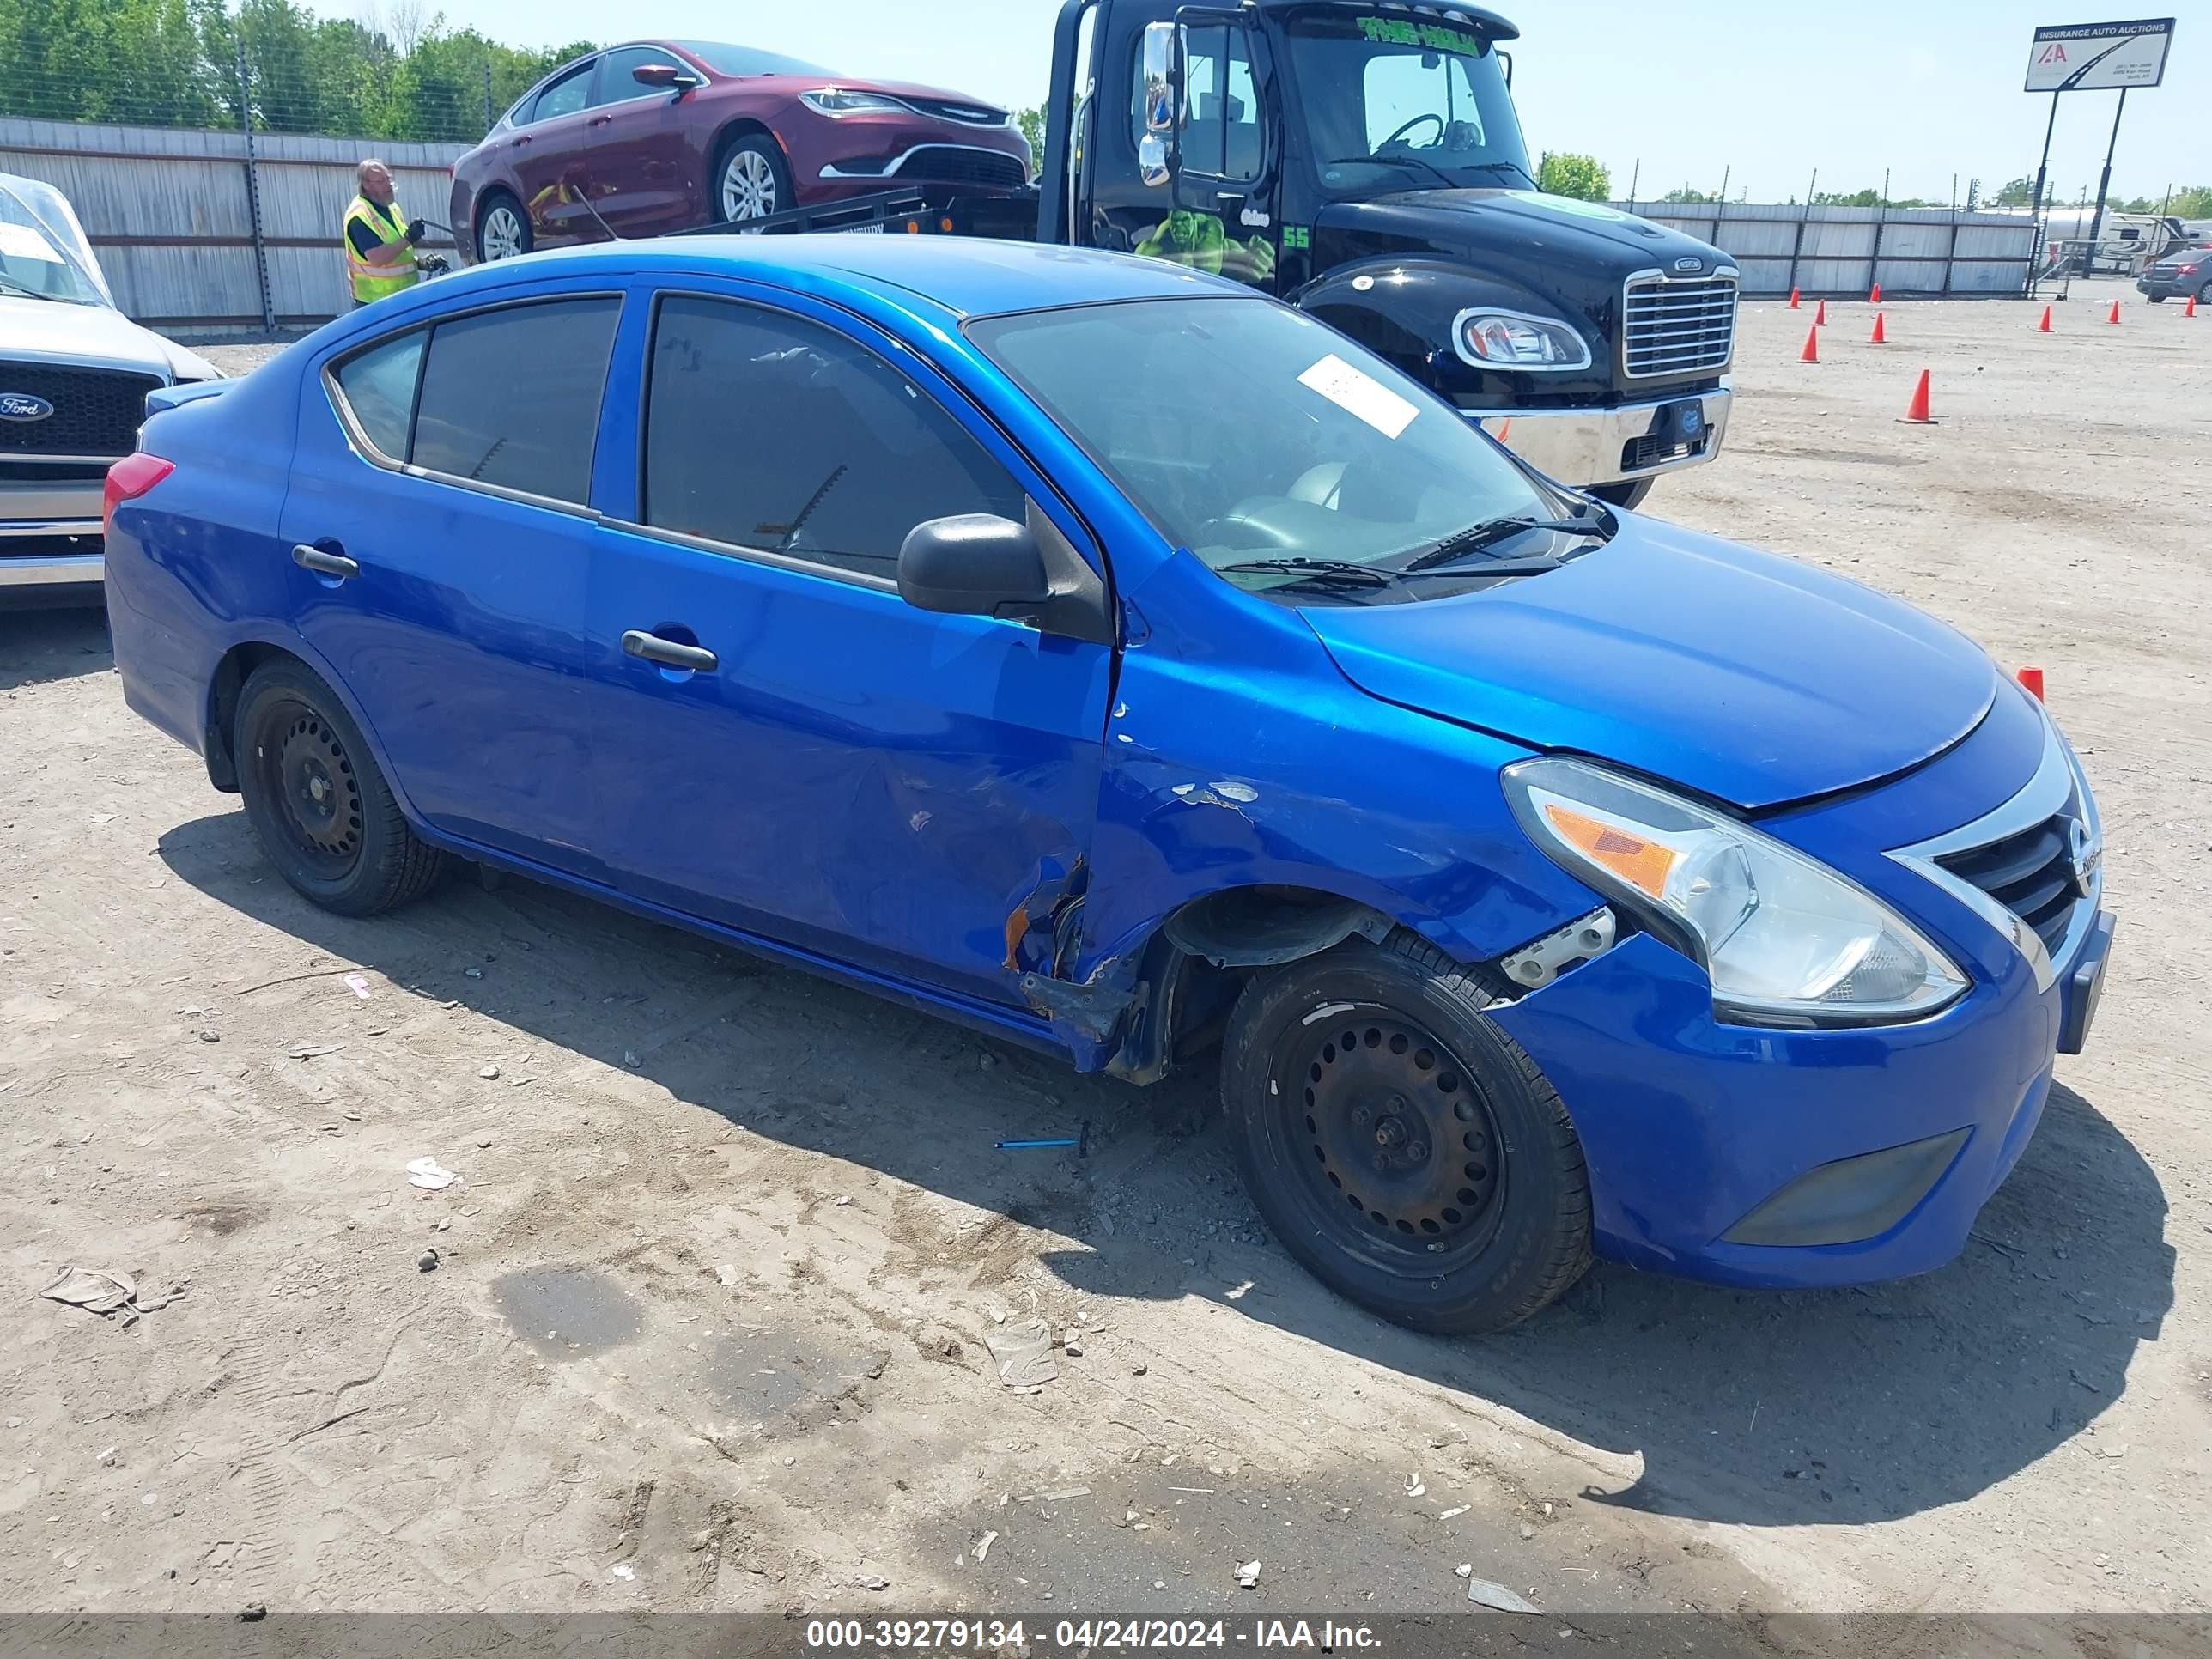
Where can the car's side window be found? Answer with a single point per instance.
(768, 432)
(565, 96)
(379, 387)
(509, 398)
(616, 86)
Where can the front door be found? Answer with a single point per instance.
(881, 785)
(643, 177)
(442, 548)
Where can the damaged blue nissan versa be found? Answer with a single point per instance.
(1121, 663)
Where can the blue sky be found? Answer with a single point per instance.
(1770, 90)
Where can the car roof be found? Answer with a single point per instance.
(954, 278)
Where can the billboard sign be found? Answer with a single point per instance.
(2098, 57)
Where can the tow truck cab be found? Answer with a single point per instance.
(1364, 162)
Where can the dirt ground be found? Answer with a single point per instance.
(708, 1325)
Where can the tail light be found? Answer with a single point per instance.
(127, 480)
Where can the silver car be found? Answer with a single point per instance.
(74, 376)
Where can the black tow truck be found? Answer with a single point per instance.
(1363, 160)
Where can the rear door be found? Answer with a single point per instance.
(879, 784)
(639, 163)
(550, 159)
(442, 536)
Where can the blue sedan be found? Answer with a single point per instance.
(1122, 664)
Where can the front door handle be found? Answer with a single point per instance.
(330, 564)
(598, 120)
(517, 143)
(654, 648)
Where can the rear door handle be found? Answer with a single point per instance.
(654, 648)
(598, 120)
(330, 564)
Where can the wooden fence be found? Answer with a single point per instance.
(204, 234)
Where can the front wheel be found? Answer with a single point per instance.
(1403, 1148)
(1627, 496)
(2155, 299)
(321, 809)
(751, 179)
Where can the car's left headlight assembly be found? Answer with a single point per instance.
(1785, 939)
(843, 100)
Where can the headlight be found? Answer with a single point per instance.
(1785, 939)
(841, 100)
(1513, 339)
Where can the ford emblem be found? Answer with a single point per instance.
(22, 406)
(1689, 262)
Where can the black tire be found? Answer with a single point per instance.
(1627, 496)
(499, 202)
(2156, 299)
(1490, 1224)
(763, 159)
(2204, 294)
(322, 810)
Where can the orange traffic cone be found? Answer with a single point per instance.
(2115, 316)
(1877, 337)
(2031, 680)
(1820, 315)
(2043, 327)
(1792, 296)
(1504, 426)
(2190, 310)
(1916, 412)
(1811, 353)
(1875, 297)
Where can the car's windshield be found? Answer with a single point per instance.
(1387, 96)
(725, 59)
(31, 265)
(1247, 431)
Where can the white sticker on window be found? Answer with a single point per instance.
(22, 242)
(1360, 394)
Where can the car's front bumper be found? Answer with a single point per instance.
(1788, 1157)
(1619, 445)
(49, 532)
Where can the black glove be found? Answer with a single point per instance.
(418, 230)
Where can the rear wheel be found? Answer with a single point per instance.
(2204, 294)
(1627, 496)
(1401, 1145)
(322, 810)
(2156, 299)
(503, 229)
(750, 179)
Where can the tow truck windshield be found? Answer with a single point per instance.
(1391, 100)
(1282, 453)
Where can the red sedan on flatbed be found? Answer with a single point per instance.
(657, 136)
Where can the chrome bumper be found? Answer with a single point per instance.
(1587, 446)
(35, 520)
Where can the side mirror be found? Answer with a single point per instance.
(974, 564)
(666, 77)
(1505, 63)
(1151, 161)
(1158, 67)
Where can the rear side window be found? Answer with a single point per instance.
(571, 93)
(380, 389)
(509, 398)
(765, 431)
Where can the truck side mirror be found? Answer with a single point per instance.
(1158, 70)
(1152, 161)
(1505, 63)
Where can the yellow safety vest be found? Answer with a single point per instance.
(374, 281)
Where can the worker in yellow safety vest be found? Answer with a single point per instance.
(379, 243)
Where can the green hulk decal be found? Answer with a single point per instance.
(1195, 239)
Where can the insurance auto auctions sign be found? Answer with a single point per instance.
(2087, 57)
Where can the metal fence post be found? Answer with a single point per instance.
(253, 192)
(487, 95)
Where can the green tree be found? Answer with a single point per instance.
(2194, 202)
(1031, 122)
(1690, 193)
(1565, 174)
(2018, 193)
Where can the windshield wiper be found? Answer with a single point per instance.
(1534, 566)
(1498, 166)
(1325, 572)
(1450, 182)
(1477, 537)
(14, 287)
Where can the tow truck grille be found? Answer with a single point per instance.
(96, 411)
(1677, 326)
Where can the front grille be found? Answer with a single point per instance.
(1677, 327)
(974, 115)
(2031, 874)
(52, 472)
(96, 410)
(946, 164)
(1654, 450)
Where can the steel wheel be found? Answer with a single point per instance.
(305, 770)
(1402, 1161)
(749, 189)
(503, 233)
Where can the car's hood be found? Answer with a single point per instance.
(1751, 677)
(48, 331)
(1521, 232)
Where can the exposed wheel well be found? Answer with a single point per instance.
(231, 674)
(744, 127)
